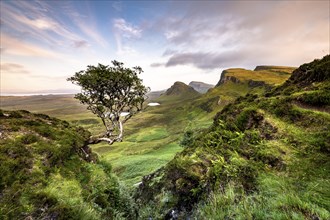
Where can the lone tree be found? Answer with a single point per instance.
(114, 93)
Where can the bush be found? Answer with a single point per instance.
(29, 139)
(317, 98)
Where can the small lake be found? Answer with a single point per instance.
(153, 104)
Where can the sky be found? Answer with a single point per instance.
(45, 42)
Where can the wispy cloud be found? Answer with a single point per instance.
(80, 44)
(126, 29)
(205, 61)
(13, 68)
(209, 34)
(88, 27)
(35, 21)
(124, 32)
(53, 25)
(157, 64)
(14, 46)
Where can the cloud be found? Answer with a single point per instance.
(125, 29)
(80, 44)
(124, 33)
(212, 34)
(13, 68)
(48, 23)
(16, 47)
(206, 61)
(157, 64)
(168, 52)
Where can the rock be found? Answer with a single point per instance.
(225, 78)
(253, 83)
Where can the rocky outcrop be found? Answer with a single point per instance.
(308, 73)
(253, 83)
(225, 78)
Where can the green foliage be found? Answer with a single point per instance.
(110, 90)
(46, 172)
(187, 138)
(315, 98)
(263, 158)
(275, 200)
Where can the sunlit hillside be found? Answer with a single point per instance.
(265, 156)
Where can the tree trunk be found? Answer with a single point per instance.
(120, 136)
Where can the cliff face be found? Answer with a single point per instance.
(260, 76)
(224, 78)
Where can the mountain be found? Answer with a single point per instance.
(266, 156)
(179, 88)
(49, 172)
(200, 86)
(154, 94)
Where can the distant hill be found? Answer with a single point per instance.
(154, 94)
(179, 89)
(200, 86)
(270, 75)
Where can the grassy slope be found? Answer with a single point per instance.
(151, 137)
(271, 76)
(48, 172)
(264, 157)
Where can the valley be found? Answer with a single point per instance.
(221, 154)
(152, 137)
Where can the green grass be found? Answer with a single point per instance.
(268, 76)
(151, 138)
(260, 158)
(276, 199)
(45, 172)
(263, 157)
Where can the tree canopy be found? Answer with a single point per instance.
(114, 93)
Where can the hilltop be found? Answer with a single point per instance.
(270, 75)
(180, 89)
(265, 156)
(275, 68)
(200, 86)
